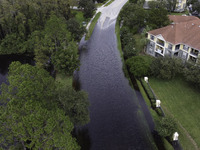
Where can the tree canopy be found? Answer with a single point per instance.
(34, 114)
(139, 65)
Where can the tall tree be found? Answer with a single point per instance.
(88, 7)
(139, 65)
(157, 18)
(66, 60)
(74, 103)
(29, 113)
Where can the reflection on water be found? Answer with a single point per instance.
(115, 112)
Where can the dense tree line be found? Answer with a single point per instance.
(38, 113)
(45, 29)
(135, 20)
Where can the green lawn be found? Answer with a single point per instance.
(92, 25)
(183, 102)
(155, 116)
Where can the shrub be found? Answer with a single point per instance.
(166, 126)
(192, 74)
(148, 91)
(139, 65)
(166, 67)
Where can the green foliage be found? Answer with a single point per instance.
(139, 65)
(128, 42)
(171, 5)
(92, 25)
(192, 74)
(66, 60)
(166, 67)
(196, 6)
(53, 44)
(30, 115)
(75, 28)
(20, 18)
(157, 18)
(147, 90)
(134, 16)
(88, 7)
(74, 103)
(166, 126)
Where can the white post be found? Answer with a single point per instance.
(146, 79)
(158, 102)
(175, 136)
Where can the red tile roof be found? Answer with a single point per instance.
(184, 29)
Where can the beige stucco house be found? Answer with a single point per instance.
(179, 39)
(180, 5)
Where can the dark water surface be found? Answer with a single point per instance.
(115, 112)
(6, 60)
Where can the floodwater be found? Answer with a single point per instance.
(117, 118)
(6, 60)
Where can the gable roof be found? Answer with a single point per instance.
(184, 29)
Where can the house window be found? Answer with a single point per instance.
(176, 54)
(193, 59)
(177, 47)
(152, 37)
(194, 52)
(160, 42)
(185, 47)
(170, 46)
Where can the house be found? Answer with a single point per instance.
(179, 39)
(180, 5)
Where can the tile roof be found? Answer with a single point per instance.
(184, 29)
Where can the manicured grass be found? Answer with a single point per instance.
(92, 25)
(109, 3)
(117, 31)
(63, 79)
(181, 101)
(153, 113)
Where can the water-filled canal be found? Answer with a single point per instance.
(115, 112)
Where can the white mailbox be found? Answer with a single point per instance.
(146, 79)
(158, 102)
(175, 136)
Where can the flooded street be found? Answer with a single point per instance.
(117, 120)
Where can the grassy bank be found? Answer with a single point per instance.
(155, 116)
(109, 3)
(183, 102)
(92, 25)
(66, 80)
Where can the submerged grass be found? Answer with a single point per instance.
(109, 3)
(92, 25)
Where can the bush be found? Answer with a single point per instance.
(166, 126)
(166, 67)
(192, 74)
(139, 65)
(148, 91)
